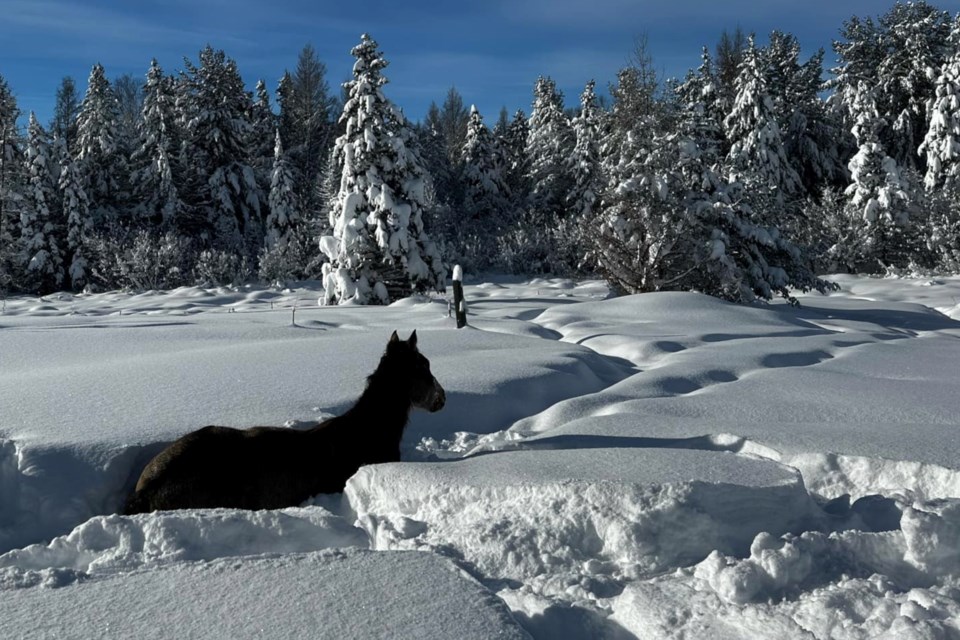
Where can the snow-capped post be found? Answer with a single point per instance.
(459, 305)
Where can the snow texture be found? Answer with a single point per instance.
(653, 466)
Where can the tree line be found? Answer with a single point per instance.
(745, 179)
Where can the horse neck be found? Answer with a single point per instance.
(384, 402)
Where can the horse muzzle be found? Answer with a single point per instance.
(439, 398)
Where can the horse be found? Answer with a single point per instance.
(275, 467)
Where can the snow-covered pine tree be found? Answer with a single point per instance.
(941, 145)
(12, 186)
(262, 142)
(636, 241)
(811, 137)
(549, 145)
(757, 157)
(79, 223)
(879, 192)
(584, 163)
(222, 183)
(486, 202)
(155, 172)
(311, 110)
(102, 164)
(284, 212)
(915, 40)
(379, 251)
(63, 126)
(40, 233)
(516, 160)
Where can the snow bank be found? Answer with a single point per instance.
(896, 584)
(115, 544)
(601, 515)
(337, 594)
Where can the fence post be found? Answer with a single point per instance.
(459, 304)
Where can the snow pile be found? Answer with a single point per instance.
(115, 544)
(335, 594)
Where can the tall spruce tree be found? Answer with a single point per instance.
(40, 233)
(64, 122)
(941, 144)
(12, 187)
(549, 145)
(102, 163)
(379, 251)
(486, 202)
(76, 213)
(584, 163)
(222, 183)
(284, 214)
(757, 157)
(156, 172)
(879, 193)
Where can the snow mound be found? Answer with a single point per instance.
(854, 584)
(333, 594)
(614, 513)
(114, 544)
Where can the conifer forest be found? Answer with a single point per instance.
(748, 178)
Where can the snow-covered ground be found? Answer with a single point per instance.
(654, 466)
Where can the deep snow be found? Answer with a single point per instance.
(648, 466)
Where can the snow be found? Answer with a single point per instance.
(655, 466)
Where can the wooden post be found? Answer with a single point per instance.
(459, 304)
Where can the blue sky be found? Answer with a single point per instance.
(492, 50)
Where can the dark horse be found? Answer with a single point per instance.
(274, 467)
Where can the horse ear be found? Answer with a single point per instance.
(393, 338)
(413, 339)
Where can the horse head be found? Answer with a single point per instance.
(406, 359)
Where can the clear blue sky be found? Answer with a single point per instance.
(492, 50)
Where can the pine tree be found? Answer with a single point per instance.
(38, 228)
(879, 193)
(516, 160)
(79, 223)
(12, 187)
(312, 110)
(549, 144)
(222, 181)
(379, 251)
(284, 212)
(262, 142)
(156, 173)
(941, 145)
(102, 164)
(584, 163)
(756, 155)
(64, 123)
(486, 201)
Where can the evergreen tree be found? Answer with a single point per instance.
(12, 187)
(454, 118)
(102, 163)
(941, 145)
(79, 223)
(516, 163)
(283, 205)
(39, 232)
(379, 251)
(262, 142)
(222, 181)
(584, 163)
(915, 41)
(486, 201)
(64, 123)
(549, 145)
(879, 192)
(312, 111)
(155, 173)
(757, 157)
